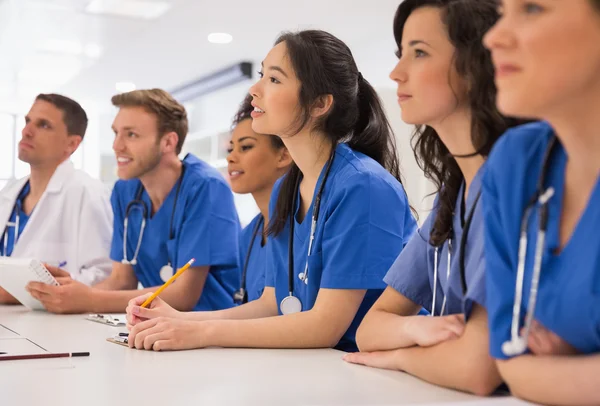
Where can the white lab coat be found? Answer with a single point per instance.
(72, 222)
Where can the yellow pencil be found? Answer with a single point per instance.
(167, 283)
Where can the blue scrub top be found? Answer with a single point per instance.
(205, 224)
(365, 221)
(412, 275)
(255, 276)
(23, 219)
(568, 301)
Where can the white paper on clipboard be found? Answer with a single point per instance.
(115, 320)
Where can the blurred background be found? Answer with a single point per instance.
(206, 53)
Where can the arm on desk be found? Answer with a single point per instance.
(75, 297)
(463, 363)
(321, 327)
(183, 294)
(265, 306)
(556, 380)
(392, 323)
(7, 298)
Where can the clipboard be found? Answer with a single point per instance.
(114, 320)
(119, 341)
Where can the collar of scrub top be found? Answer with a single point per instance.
(461, 258)
(17, 210)
(241, 295)
(518, 343)
(139, 204)
(291, 304)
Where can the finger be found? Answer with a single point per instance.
(535, 344)
(381, 360)
(456, 327)
(360, 358)
(64, 280)
(144, 313)
(139, 332)
(164, 345)
(55, 271)
(157, 335)
(138, 301)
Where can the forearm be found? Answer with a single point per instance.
(556, 380)
(381, 330)
(299, 330)
(7, 298)
(260, 308)
(457, 364)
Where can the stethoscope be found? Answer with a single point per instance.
(15, 224)
(138, 204)
(518, 343)
(291, 304)
(461, 260)
(241, 295)
(10, 224)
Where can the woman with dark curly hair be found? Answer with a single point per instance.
(445, 81)
(254, 163)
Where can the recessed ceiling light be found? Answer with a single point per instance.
(123, 87)
(220, 38)
(143, 9)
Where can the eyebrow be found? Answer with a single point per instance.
(417, 42)
(276, 68)
(248, 137)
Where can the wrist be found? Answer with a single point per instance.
(206, 333)
(407, 328)
(95, 300)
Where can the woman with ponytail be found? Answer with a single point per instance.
(445, 79)
(338, 219)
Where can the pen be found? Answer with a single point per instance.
(61, 264)
(123, 334)
(45, 355)
(167, 283)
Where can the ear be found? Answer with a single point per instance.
(321, 106)
(73, 143)
(285, 159)
(170, 141)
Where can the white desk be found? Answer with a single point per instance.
(114, 375)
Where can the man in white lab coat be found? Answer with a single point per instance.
(58, 215)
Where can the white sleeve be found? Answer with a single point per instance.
(94, 234)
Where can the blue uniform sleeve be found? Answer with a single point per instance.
(501, 245)
(210, 229)
(273, 257)
(409, 275)
(475, 264)
(116, 248)
(363, 234)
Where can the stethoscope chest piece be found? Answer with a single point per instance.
(290, 305)
(166, 272)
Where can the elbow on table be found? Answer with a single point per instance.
(483, 378)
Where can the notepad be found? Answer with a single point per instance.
(16, 273)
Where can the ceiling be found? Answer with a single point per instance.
(56, 45)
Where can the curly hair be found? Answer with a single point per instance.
(466, 21)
